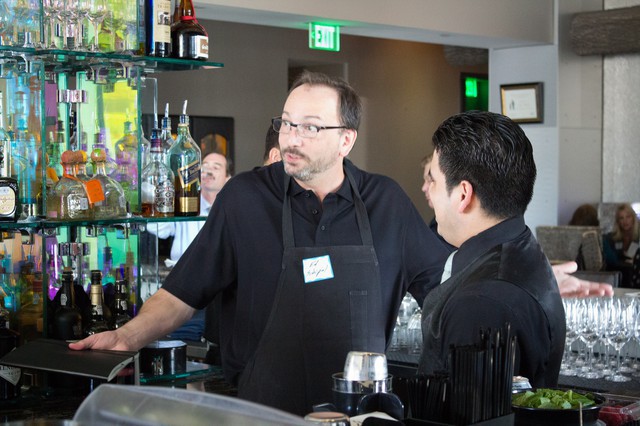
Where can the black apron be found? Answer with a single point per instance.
(312, 326)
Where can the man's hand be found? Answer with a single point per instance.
(107, 340)
(571, 286)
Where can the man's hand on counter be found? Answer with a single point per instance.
(107, 340)
(159, 316)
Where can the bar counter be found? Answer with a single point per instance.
(54, 403)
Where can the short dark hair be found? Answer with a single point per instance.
(491, 152)
(350, 103)
(271, 141)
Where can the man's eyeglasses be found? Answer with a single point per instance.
(305, 130)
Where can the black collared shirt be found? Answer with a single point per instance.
(238, 252)
(500, 275)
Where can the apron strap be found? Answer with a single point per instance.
(361, 214)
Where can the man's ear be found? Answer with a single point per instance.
(348, 139)
(466, 194)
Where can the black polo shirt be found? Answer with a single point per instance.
(238, 252)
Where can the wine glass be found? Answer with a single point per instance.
(414, 331)
(589, 327)
(51, 9)
(97, 13)
(618, 332)
(6, 22)
(83, 8)
(571, 318)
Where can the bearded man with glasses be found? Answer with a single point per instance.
(311, 257)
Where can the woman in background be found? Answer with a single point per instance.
(620, 245)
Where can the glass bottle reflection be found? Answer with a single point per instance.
(68, 199)
(113, 203)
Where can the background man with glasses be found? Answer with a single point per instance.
(310, 256)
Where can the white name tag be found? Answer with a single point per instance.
(317, 269)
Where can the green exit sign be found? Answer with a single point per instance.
(324, 37)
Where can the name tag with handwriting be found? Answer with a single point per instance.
(317, 269)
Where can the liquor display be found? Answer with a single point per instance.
(158, 28)
(184, 159)
(67, 320)
(157, 185)
(189, 39)
(79, 221)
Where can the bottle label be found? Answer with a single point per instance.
(164, 197)
(63, 300)
(7, 201)
(10, 374)
(201, 47)
(188, 204)
(161, 21)
(76, 203)
(189, 174)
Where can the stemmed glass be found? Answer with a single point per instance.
(414, 328)
(97, 14)
(51, 10)
(618, 332)
(571, 318)
(6, 22)
(589, 326)
(83, 8)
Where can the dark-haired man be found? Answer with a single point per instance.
(481, 181)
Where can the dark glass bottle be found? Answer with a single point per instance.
(67, 318)
(189, 39)
(158, 28)
(9, 376)
(100, 314)
(121, 304)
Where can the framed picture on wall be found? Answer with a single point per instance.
(522, 102)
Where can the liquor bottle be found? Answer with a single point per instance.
(112, 202)
(68, 199)
(184, 161)
(9, 376)
(177, 13)
(57, 147)
(158, 28)
(9, 201)
(31, 307)
(108, 278)
(189, 39)
(67, 319)
(99, 320)
(5, 146)
(145, 149)
(166, 137)
(100, 142)
(127, 159)
(121, 304)
(157, 188)
(81, 165)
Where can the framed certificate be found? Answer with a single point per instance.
(522, 102)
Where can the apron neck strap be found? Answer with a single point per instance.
(361, 213)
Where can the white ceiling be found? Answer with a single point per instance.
(206, 10)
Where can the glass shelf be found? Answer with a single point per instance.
(195, 371)
(82, 59)
(42, 223)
